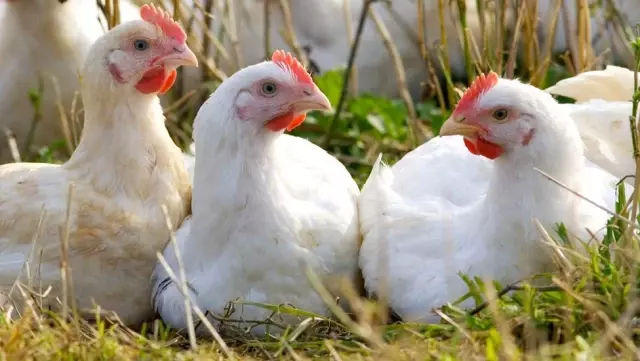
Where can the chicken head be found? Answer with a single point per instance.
(146, 53)
(276, 95)
(497, 116)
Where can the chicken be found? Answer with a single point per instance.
(266, 205)
(602, 110)
(606, 17)
(325, 36)
(611, 84)
(190, 160)
(125, 168)
(53, 42)
(423, 221)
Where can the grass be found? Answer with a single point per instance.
(585, 311)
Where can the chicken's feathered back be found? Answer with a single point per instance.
(601, 112)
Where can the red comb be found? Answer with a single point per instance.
(162, 19)
(479, 86)
(287, 62)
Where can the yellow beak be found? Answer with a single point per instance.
(455, 126)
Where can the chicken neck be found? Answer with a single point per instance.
(518, 192)
(235, 187)
(125, 147)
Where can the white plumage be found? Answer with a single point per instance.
(49, 39)
(602, 110)
(441, 210)
(265, 206)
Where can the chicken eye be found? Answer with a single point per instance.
(141, 45)
(269, 88)
(500, 114)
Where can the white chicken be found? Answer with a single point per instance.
(54, 40)
(266, 205)
(601, 112)
(125, 168)
(320, 27)
(423, 221)
(190, 160)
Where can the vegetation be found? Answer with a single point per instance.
(587, 310)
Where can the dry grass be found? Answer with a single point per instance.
(586, 311)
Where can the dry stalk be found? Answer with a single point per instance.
(115, 16)
(267, 27)
(584, 35)
(233, 35)
(422, 46)
(443, 52)
(508, 343)
(501, 24)
(289, 34)
(74, 116)
(480, 7)
(187, 306)
(68, 293)
(177, 16)
(479, 65)
(347, 76)
(612, 328)
(529, 25)
(181, 287)
(424, 54)
(178, 103)
(548, 46)
(400, 76)
(628, 234)
(211, 66)
(623, 219)
(346, 12)
(37, 118)
(363, 330)
(34, 241)
(206, 32)
(13, 144)
(64, 120)
(511, 61)
(206, 41)
(107, 13)
(466, 47)
(332, 351)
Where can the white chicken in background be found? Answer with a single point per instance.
(320, 26)
(477, 219)
(266, 205)
(601, 112)
(47, 38)
(604, 25)
(124, 169)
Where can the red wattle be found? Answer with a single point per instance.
(481, 147)
(287, 121)
(168, 83)
(156, 80)
(470, 146)
(279, 123)
(296, 122)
